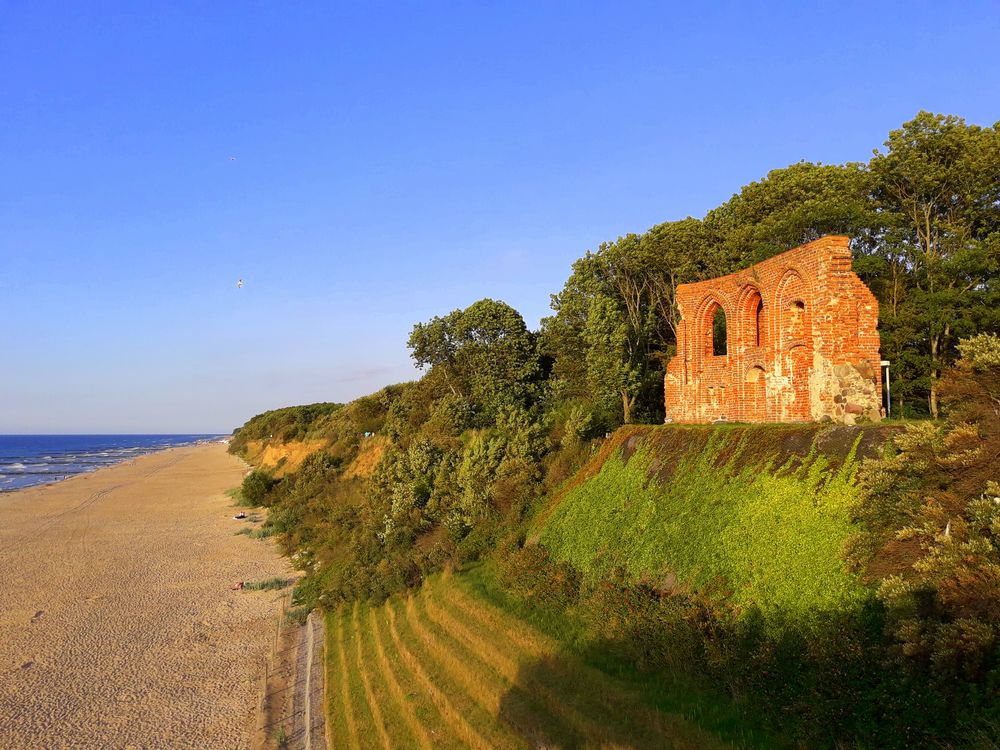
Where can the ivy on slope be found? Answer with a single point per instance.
(759, 535)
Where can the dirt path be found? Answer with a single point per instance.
(118, 626)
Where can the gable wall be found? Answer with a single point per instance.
(810, 353)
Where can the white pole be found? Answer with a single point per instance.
(888, 391)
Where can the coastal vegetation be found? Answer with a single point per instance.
(688, 509)
(803, 585)
(268, 584)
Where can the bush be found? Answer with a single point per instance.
(256, 486)
(268, 584)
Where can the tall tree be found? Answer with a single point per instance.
(602, 336)
(790, 207)
(485, 352)
(675, 253)
(616, 368)
(937, 186)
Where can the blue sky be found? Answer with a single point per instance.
(393, 161)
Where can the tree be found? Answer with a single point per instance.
(485, 352)
(616, 316)
(603, 336)
(675, 253)
(615, 368)
(937, 186)
(790, 207)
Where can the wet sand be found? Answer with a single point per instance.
(118, 626)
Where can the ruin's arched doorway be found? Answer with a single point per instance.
(714, 335)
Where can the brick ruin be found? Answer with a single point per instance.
(791, 339)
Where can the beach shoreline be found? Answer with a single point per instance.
(84, 454)
(119, 625)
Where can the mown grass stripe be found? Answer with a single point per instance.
(336, 723)
(454, 718)
(399, 733)
(574, 705)
(505, 666)
(523, 712)
(406, 708)
(562, 705)
(594, 693)
(486, 690)
(473, 696)
(349, 724)
(363, 667)
(364, 719)
(524, 636)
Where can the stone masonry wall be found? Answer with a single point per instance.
(801, 343)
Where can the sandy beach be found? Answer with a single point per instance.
(118, 626)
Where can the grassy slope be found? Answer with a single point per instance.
(757, 515)
(444, 668)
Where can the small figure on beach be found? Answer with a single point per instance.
(237, 586)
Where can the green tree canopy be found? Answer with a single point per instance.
(790, 207)
(937, 188)
(485, 354)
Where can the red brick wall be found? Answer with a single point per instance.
(802, 343)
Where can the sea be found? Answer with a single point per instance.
(27, 460)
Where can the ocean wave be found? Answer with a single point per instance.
(32, 460)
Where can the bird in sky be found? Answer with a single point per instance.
(239, 283)
(232, 158)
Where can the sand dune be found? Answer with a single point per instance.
(118, 627)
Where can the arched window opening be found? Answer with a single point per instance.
(719, 348)
(755, 374)
(759, 320)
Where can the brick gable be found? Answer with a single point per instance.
(801, 343)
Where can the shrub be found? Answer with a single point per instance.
(268, 584)
(256, 486)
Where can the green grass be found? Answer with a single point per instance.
(262, 533)
(268, 584)
(364, 720)
(670, 691)
(446, 669)
(751, 533)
